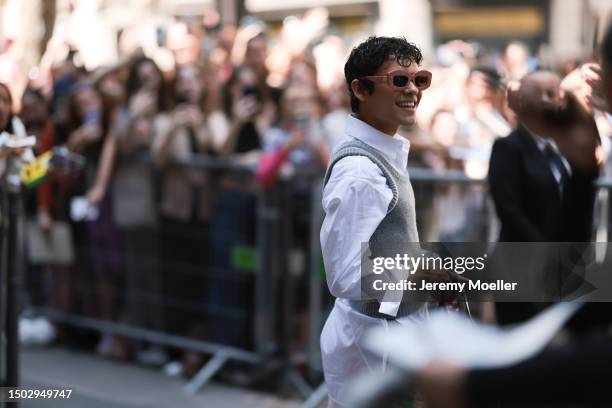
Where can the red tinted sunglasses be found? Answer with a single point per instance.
(400, 79)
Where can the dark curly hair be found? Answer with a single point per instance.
(367, 57)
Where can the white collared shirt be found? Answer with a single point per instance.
(355, 200)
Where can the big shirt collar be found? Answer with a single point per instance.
(395, 148)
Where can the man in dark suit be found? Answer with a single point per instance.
(541, 179)
(540, 193)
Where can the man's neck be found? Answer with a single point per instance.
(533, 125)
(385, 128)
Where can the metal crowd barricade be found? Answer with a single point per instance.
(269, 267)
(11, 251)
(3, 217)
(273, 314)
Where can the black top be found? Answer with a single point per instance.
(248, 139)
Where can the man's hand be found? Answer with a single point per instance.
(441, 276)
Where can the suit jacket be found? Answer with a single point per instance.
(527, 197)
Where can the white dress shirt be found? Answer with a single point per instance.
(355, 200)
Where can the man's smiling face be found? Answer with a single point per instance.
(385, 108)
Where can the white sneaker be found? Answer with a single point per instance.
(43, 331)
(25, 331)
(153, 356)
(105, 345)
(173, 369)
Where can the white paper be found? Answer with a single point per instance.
(453, 338)
(82, 210)
(13, 142)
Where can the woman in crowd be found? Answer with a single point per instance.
(10, 124)
(91, 134)
(49, 203)
(297, 141)
(6, 115)
(297, 137)
(133, 193)
(6, 110)
(336, 114)
(35, 117)
(250, 109)
(480, 117)
(191, 128)
(449, 216)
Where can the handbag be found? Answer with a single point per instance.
(133, 196)
(53, 248)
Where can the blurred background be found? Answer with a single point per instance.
(181, 265)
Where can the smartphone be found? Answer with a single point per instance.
(302, 121)
(92, 118)
(160, 36)
(250, 91)
(182, 100)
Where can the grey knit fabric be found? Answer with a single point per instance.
(399, 225)
(397, 233)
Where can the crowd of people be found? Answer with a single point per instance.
(277, 105)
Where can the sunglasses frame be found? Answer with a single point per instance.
(388, 78)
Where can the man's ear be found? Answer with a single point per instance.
(358, 90)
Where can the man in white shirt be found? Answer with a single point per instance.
(368, 198)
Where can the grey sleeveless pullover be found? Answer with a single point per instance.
(397, 232)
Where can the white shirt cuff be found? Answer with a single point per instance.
(389, 308)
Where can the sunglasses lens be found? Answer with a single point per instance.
(421, 81)
(400, 80)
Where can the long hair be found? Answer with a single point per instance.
(9, 122)
(134, 84)
(76, 117)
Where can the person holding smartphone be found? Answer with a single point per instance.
(297, 138)
(250, 110)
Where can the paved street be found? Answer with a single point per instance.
(103, 383)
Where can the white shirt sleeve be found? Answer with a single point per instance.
(355, 201)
